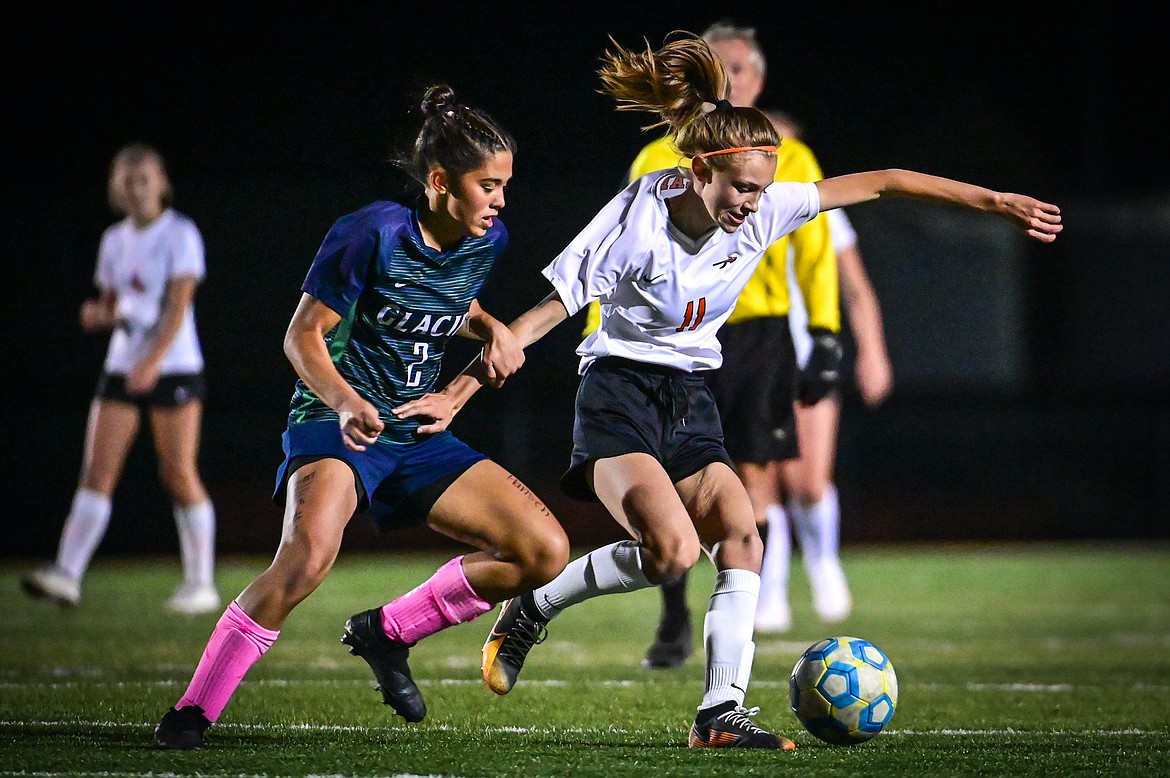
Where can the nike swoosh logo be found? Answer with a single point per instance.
(400, 284)
(648, 280)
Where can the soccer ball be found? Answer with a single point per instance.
(843, 690)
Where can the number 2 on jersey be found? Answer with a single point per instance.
(413, 375)
(697, 309)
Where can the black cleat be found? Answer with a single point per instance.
(387, 658)
(181, 728)
(518, 628)
(672, 644)
(727, 725)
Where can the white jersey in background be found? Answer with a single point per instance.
(663, 297)
(844, 236)
(136, 266)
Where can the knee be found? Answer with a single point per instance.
(808, 491)
(301, 572)
(181, 482)
(741, 549)
(665, 559)
(544, 557)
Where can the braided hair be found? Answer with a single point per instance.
(453, 136)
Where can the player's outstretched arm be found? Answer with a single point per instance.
(1037, 219)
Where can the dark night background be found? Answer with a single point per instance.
(1033, 382)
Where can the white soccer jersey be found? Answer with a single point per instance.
(844, 236)
(663, 297)
(135, 265)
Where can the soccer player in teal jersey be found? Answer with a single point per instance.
(390, 285)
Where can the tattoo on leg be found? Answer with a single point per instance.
(528, 493)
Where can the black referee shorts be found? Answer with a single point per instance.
(625, 406)
(755, 389)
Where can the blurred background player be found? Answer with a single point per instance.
(149, 265)
(806, 482)
(756, 386)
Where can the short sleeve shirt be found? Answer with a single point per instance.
(662, 295)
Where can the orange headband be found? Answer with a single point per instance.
(769, 149)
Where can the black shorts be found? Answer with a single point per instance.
(171, 391)
(625, 407)
(755, 389)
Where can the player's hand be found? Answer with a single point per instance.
(501, 356)
(1039, 220)
(822, 374)
(94, 316)
(142, 378)
(360, 424)
(437, 408)
(874, 376)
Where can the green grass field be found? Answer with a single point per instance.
(1012, 660)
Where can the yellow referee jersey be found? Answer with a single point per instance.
(814, 260)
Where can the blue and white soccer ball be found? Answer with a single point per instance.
(843, 690)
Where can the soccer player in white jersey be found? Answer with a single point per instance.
(149, 265)
(667, 258)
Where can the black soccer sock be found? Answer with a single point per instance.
(674, 600)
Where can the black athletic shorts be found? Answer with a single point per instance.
(755, 389)
(171, 391)
(625, 406)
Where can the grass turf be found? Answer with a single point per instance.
(1030, 659)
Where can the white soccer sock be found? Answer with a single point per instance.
(607, 570)
(727, 636)
(84, 529)
(817, 526)
(196, 525)
(777, 551)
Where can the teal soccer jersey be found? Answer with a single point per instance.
(400, 301)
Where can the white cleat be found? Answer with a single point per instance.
(193, 598)
(773, 617)
(50, 582)
(831, 598)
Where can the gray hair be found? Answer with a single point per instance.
(728, 31)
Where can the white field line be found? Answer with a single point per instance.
(117, 725)
(972, 686)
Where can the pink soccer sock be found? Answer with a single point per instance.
(443, 600)
(235, 644)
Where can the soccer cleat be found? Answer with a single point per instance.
(181, 728)
(387, 658)
(673, 643)
(193, 598)
(774, 617)
(518, 628)
(50, 582)
(728, 725)
(830, 592)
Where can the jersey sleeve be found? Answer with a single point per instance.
(844, 236)
(655, 155)
(339, 271)
(587, 269)
(187, 252)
